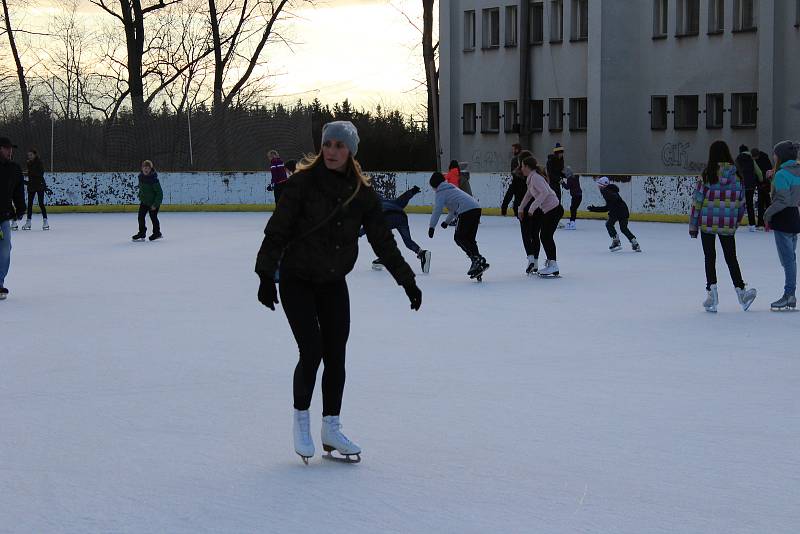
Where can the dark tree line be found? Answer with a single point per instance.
(178, 141)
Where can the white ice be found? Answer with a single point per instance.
(144, 389)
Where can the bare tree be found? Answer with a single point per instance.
(21, 79)
(431, 76)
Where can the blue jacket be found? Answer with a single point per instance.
(783, 214)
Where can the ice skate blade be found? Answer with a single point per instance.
(304, 458)
(711, 310)
(345, 459)
(615, 249)
(377, 267)
(783, 309)
(554, 275)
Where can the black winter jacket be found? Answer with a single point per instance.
(516, 192)
(615, 206)
(765, 165)
(747, 170)
(313, 249)
(555, 172)
(12, 192)
(36, 181)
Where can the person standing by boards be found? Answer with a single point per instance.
(313, 233)
(278, 173)
(36, 188)
(150, 197)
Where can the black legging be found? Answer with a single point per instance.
(40, 197)
(728, 243)
(749, 195)
(623, 227)
(530, 228)
(548, 223)
(467, 230)
(143, 211)
(574, 204)
(319, 315)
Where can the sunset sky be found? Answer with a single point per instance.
(364, 50)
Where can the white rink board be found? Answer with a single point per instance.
(668, 195)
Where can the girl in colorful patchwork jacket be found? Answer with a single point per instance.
(717, 211)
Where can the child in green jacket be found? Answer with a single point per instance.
(150, 197)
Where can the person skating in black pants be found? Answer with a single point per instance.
(467, 212)
(617, 213)
(751, 178)
(314, 234)
(36, 188)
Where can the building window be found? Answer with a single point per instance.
(686, 112)
(537, 115)
(797, 15)
(469, 30)
(578, 113)
(537, 22)
(490, 117)
(469, 118)
(580, 20)
(744, 110)
(556, 123)
(658, 112)
(715, 110)
(660, 17)
(556, 21)
(511, 124)
(744, 15)
(688, 18)
(491, 28)
(716, 16)
(511, 26)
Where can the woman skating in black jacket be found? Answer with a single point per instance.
(314, 235)
(617, 213)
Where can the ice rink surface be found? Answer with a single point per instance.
(144, 389)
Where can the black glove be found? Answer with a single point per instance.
(592, 208)
(269, 187)
(415, 189)
(414, 294)
(267, 292)
(503, 211)
(430, 233)
(444, 225)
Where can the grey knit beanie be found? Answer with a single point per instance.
(786, 150)
(344, 131)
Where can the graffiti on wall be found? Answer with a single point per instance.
(484, 160)
(676, 155)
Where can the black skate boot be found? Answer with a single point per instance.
(635, 245)
(481, 268)
(156, 235)
(475, 267)
(3, 293)
(140, 236)
(615, 245)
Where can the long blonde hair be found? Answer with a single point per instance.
(311, 161)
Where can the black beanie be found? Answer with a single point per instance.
(786, 150)
(742, 148)
(436, 179)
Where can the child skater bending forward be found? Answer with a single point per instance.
(617, 213)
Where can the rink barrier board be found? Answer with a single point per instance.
(658, 198)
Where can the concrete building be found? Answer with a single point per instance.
(627, 86)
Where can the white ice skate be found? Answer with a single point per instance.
(533, 266)
(425, 260)
(303, 444)
(752, 228)
(785, 303)
(712, 299)
(334, 440)
(27, 225)
(45, 226)
(14, 226)
(550, 269)
(746, 297)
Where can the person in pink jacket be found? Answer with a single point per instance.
(545, 211)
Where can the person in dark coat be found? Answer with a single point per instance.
(617, 213)
(517, 187)
(764, 187)
(36, 188)
(751, 177)
(150, 197)
(396, 219)
(555, 169)
(12, 206)
(572, 183)
(313, 233)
